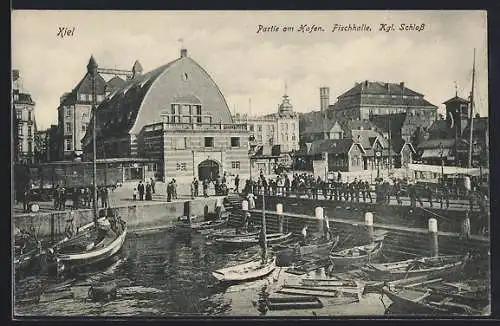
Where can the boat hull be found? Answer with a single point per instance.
(250, 241)
(386, 274)
(338, 260)
(245, 272)
(76, 261)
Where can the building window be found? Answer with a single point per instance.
(180, 143)
(235, 141)
(29, 115)
(83, 97)
(68, 112)
(16, 97)
(235, 164)
(89, 97)
(84, 128)
(19, 115)
(181, 166)
(68, 144)
(209, 141)
(251, 127)
(100, 98)
(68, 127)
(29, 131)
(30, 147)
(259, 127)
(20, 130)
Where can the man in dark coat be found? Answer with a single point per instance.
(237, 183)
(140, 189)
(148, 191)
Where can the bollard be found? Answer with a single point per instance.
(433, 237)
(369, 226)
(466, 227)
(279, 214)
(319, 217)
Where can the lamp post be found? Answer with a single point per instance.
(378, 153)
(441, 152)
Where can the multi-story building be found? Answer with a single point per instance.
(280, 128)
(47, 145)
(24, 123)
(176, 116)
(369, 98)
(75, 108)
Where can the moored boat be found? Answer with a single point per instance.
(234, 234)
(253, 240)
(358, 255)
(426, 266)
(106, 245)
(426, 301)
(247, 271)
(202, 225)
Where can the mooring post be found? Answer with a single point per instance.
(433, 237)
(319, 217)
(279, 214)
(244, 208)
(369, 226)
(466, 226)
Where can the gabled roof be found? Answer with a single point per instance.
(24, 98)
(456, 99)
(332, 146)
(440, 129)
(115, 83)
(364, 136)
(435, 143)
(379, 88)
(85, 85)
(398, 144)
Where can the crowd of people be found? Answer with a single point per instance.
(81, 197)
(382, 191)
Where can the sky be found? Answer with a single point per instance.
(250, 67)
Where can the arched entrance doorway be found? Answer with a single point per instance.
(208, 169)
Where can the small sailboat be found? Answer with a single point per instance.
(426, 266)
(95, 241)
(253, 269)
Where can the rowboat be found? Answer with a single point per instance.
(253, 240)
(319, 247)
(199, 226)
(426, 301)
(357, 255)
(426, 266)
(235, 234)
(245, 272)
(106, 244)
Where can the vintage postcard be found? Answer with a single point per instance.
(250, 163)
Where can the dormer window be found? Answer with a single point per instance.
(82, 97)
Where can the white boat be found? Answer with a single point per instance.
(95, 251)
(245, 272)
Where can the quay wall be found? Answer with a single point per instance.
(449, 220)
(140, 216)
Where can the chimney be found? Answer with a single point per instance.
(324, 98)
(184, 53)
(402, 84)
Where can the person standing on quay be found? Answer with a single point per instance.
(148, 191)
(237, 183)
(205, 188)
(193, 183)
(174, 193)
(140, 188)
(169, 191)
(153, 185)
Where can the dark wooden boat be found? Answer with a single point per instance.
(293, 302)
(184, 225)
(358, 255)
(427, 301)
(253, 240)
(103, 244)
(426, 266)
(235, 234)
(251, 270)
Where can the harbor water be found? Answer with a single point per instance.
(169, 274)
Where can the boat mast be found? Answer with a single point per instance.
(93, 72)
(264, 220)
(469, 163)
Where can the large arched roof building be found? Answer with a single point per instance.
(175, 114)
